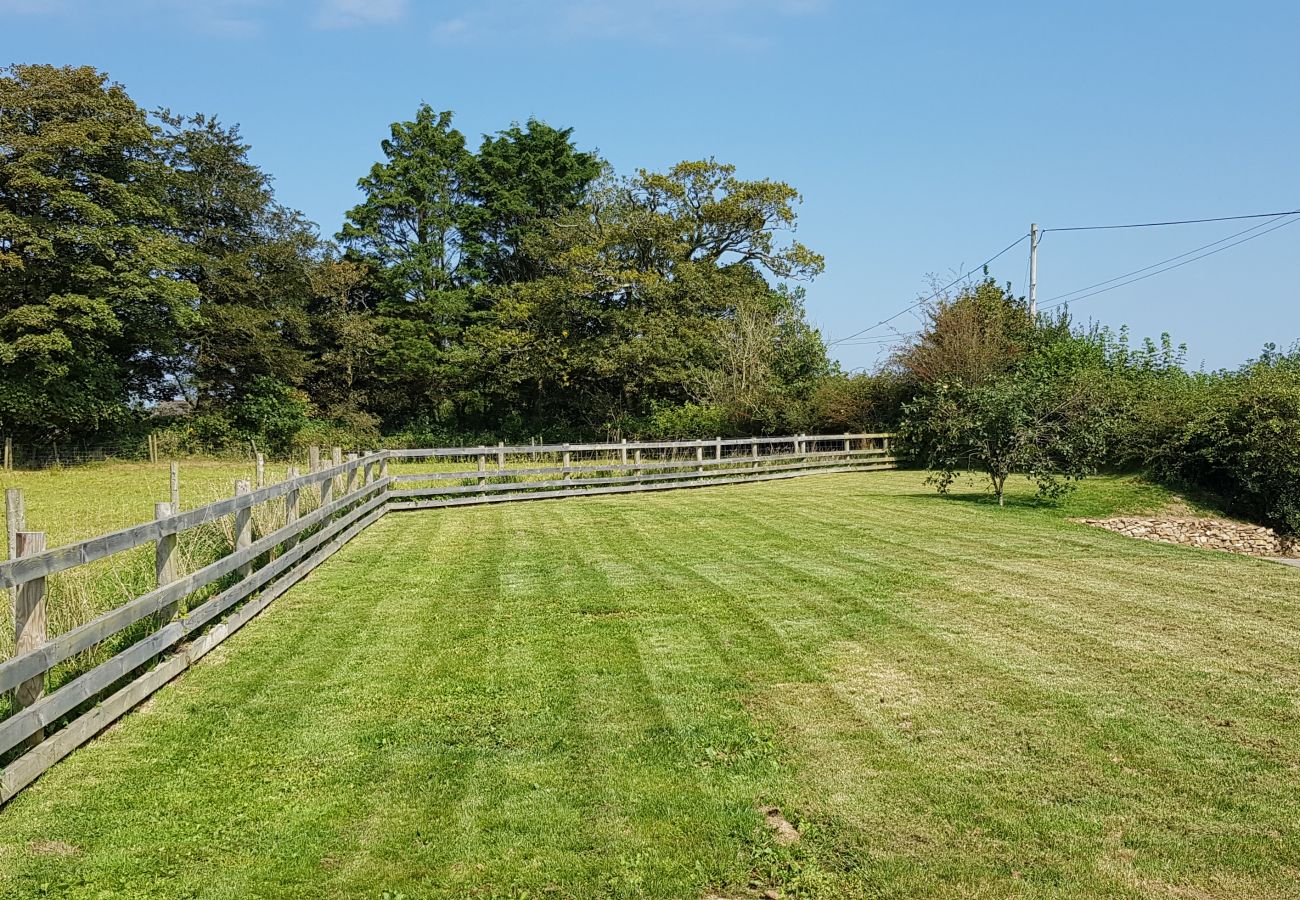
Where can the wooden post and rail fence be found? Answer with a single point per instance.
(352, 493)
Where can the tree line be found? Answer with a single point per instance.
(150, 279)
(520, 287)
(986, 388)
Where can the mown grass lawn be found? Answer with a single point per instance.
(597, 697)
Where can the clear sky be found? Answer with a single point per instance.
(924, 137)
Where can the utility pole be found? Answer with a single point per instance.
(1033, 271)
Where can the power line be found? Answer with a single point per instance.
(1163, 261)
(1181, 264)
(1271, 215)
(926, 300)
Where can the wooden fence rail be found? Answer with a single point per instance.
(353, 493)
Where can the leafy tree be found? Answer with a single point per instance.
(520, 180)
(416, 206)
(973, 337)
(1046, 430)
(410, 229)
(768, 359)
(250, 258)
(641, 286)
(701, 212)
(271, 412)
(346, 341)
(92, 302)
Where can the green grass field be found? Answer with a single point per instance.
(598, 697)
(74, 503)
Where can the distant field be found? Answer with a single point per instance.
(597, 697)
(78, 502)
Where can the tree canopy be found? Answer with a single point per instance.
(520, 287)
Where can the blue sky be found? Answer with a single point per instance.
(924, 137)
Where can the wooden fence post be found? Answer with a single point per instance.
(351, 482)
(501, 455)
(291, 507)
(9, 454)
(175, 492)
(848, 444)
(636, 455)
(753, 449)
(15, 519)
(482, 467)
(622, 459)
(165, 568)
(383, 468)
(29, 627)
(261, 470)
(313, 458)
(718, 452)
(326, 491)
(566, 475)
(699, 455)
(243, 526)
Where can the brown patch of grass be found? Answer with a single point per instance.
(52, 848)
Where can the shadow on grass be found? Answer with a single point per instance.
(1010, 501)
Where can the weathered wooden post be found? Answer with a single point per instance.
(326, 491)
(165, 562)
(261, 470)
(501, 455)
(699, 455)
(482, 467)
(567, 458)
(383, 467)
(717, 453)
(848, 444)
(29, 627)
(15, 519)
(336, 459)
(636, 455)
(291, 507)
(9, 454)
(351, 476)
(622, 458)
(175, 492)
(753, 450)
(243, 526)
(313, 458)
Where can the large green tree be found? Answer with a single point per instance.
(643, 288)
(522, 179)
(410, 229)
(250, 258)
(92, 299)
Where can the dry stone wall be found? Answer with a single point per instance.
(1211, 534)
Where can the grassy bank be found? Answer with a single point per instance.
(598, 697)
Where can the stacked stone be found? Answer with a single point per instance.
(1211, 534)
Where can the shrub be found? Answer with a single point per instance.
(1243, 443)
